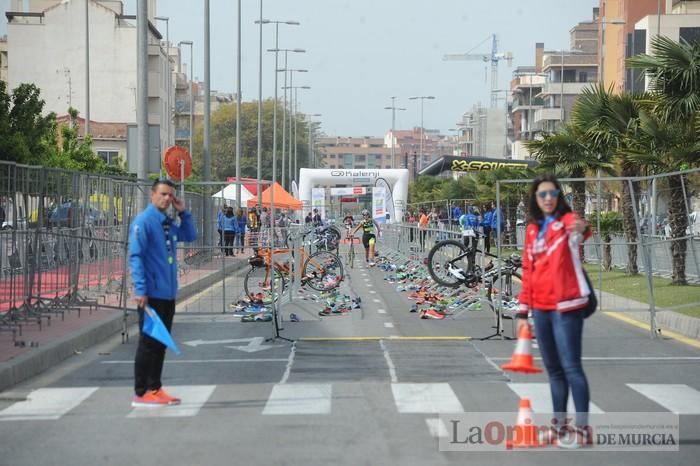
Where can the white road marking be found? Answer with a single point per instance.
(193, 398)
(388, 325)
(290, 362)
(46, 404)
(389, 362)
(375, 300)
(372, 292)
(299, 399)
(626, 358)
(204, 361)
(381, 311)
(677, 398)
(436, 427)
(541, 398)
(425, 398)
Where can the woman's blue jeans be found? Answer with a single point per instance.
(559, 338)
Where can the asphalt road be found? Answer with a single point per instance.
(360, 389)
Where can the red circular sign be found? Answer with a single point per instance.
(172, 159)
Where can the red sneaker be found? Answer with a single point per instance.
(167, 398)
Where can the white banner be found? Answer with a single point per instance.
(379, 205)
(318, 201)
(352, 191)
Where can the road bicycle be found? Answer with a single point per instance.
(321, 270)
(449, 264)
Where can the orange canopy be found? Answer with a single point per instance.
(283, 200)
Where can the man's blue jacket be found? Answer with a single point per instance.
(152, 261)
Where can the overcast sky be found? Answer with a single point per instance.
(362, 52)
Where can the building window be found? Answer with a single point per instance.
(109, 156)
(371, 161)
(359, 166)
(360, 158)
(583, 76)
(690, 34)
(347, 160)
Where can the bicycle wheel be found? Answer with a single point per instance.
(445, 261)
(322, 271)
(351, 255)
(257, 284)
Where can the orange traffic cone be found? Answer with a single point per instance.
(526, 434)
(522, 356)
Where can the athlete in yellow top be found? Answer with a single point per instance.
(368, 226)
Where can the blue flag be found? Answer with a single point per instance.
(155, 328)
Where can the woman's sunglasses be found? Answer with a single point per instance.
(550, 193)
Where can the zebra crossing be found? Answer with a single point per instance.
(318, 399)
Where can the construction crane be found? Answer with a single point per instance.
(494, 57)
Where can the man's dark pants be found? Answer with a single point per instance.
(150, 353)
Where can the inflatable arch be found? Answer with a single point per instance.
(397, 179)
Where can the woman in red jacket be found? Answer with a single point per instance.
(554, 288)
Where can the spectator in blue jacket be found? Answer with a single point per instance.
(456, 214)
(219, 216)
(498, 223)
(230, 226)
(470, 224)
(242, 221)
(486, 226)
(153, 238)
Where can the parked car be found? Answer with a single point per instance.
(71, 214)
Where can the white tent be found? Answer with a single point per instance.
(228, 194)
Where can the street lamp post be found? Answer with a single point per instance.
(260, 54)
(311, 158)
(393, 109)
(274, 111)
(296, 109)
(87, 68)
(292, 119)
(422, 134)
(284, 103)
(169, 76)
(189, 91)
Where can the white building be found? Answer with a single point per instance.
(681, 21)
(46, 46)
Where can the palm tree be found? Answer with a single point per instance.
(568, 154)
(607, 121)
(669, 127)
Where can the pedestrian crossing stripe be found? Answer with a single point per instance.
(46, 404)
(540, 398)
(193, 398)
(677, 398)
(317, 399)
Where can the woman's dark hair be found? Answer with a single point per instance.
(534, 214)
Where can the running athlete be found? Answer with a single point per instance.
(368, 237)
(348, 221)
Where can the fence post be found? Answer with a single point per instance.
(647, 264)
(692, 232)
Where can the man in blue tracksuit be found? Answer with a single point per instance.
(498, 223)
(153, 237)
(486, 226)
(470, 224)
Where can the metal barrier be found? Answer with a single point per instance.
(643, 256)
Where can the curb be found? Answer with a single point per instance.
(38, 360)
(670, 320)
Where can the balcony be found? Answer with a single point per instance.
(555, 88)
(524, 104)
(550, 113)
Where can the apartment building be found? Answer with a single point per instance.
(353, 152)
(46, 46)
(680, 20)
(567, 73)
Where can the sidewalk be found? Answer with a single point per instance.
(665, 319)
(64, 338)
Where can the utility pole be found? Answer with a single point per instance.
(142, 95)
(87, 68)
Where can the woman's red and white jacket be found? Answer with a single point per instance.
(553, 277)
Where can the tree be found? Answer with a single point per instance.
(223, 141)
(25, 135)
(607, 122)
(669, 128)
